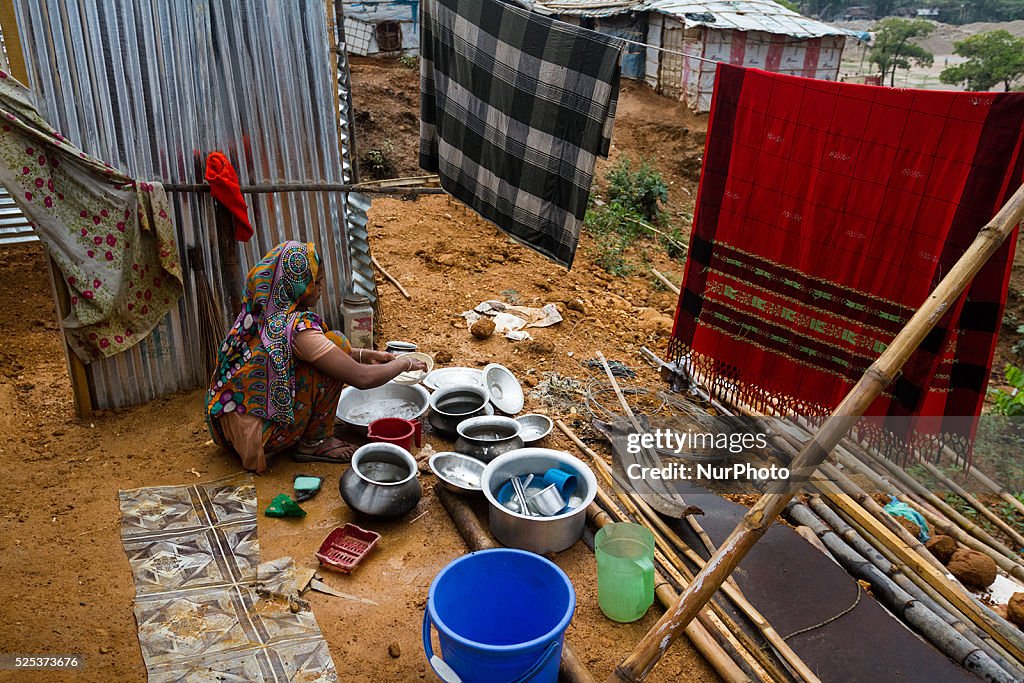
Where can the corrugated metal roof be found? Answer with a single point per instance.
(14, 227)
(738, 15)
(151, 88)
(583, 8)
(744, 15)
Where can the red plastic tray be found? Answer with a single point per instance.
(346, 546)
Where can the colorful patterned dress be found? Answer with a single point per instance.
(258, 374)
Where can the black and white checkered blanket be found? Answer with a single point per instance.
(514, 109)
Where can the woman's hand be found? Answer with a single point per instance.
(413, 363)
(372, 357)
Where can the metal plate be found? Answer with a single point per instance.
(447, 377)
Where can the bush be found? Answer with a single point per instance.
(378, 162)
(637, 191)
(1010, 402)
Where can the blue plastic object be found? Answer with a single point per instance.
(510, 630)
(898, 509)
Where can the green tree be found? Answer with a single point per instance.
(893, 47)
(992, 57)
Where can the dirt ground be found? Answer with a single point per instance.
(66, 583)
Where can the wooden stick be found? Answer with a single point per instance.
(390, 278)
(665, 281)
(646, 226)
(476, 538)
(1010, 532)
(997, 489)
(755, 523)
(715, 655)
(230, 267)
(661, 531)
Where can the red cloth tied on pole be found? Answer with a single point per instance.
(826, 214)
(224, 187)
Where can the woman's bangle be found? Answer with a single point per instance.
(360, 356)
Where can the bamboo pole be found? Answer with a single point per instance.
(956, 533)
(997, 489)
(855, 495)
(945, 508)
(672, 287)
(468, 524)
(856, 537)
(852, 491)
(755, 523)
(661, 532)
(1010, 532)
(914, 612)
(946, 586)
(267, 188)
(901, 544)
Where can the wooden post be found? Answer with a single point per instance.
(755, 523)
(230, 267)
(76, 368)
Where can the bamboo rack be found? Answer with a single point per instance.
(668, 542)
(755, 523)
(854, 503)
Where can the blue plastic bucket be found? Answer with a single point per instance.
(501, 617)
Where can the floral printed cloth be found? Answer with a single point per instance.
(110, 235)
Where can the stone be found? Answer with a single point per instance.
(652, 321)
(447, 260)
(482, 328)
(942, 547)
(538, 347)
(1015, 609)
(972, 568)
(395, 650)
(576, 305)
(914, 529)
(443, 356)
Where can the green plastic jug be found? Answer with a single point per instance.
(625, 570)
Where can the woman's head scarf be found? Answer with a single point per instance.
(255, 372)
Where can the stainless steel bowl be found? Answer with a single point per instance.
(456, 472)
(451, 405)
(534, 427)
(537, 534)
(359, 407)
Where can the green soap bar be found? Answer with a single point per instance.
(307, 483)
(284, 506)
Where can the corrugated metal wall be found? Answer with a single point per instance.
(151, 87)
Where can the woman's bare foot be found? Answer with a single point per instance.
(331, 449)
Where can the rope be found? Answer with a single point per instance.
(830, 619)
